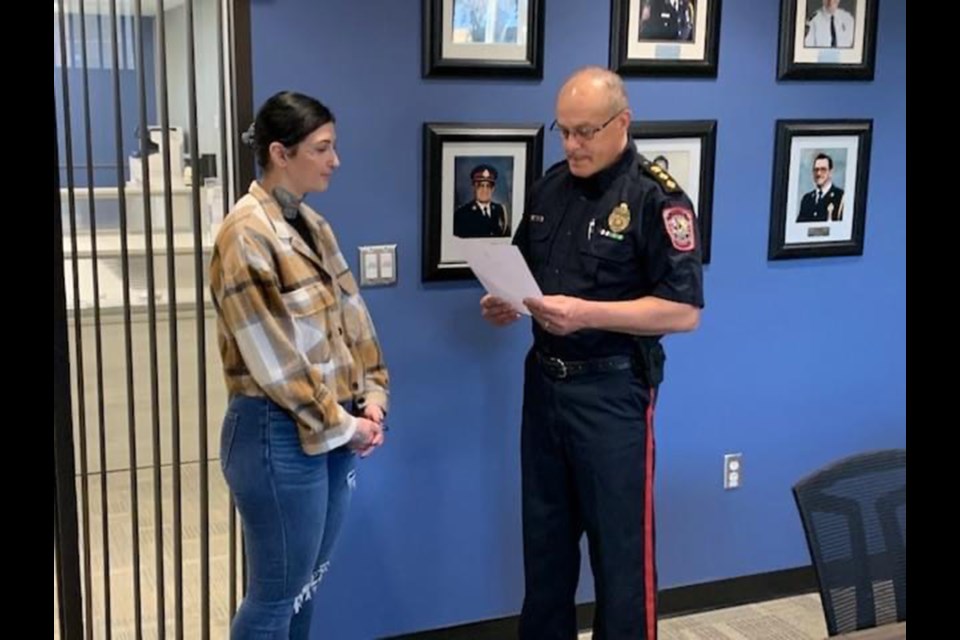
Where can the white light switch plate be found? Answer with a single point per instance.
(378, 265)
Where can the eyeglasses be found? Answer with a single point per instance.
(582, 133)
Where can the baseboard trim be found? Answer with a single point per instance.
(677, 601)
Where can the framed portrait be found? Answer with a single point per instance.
(468, 38)
(827, 39)
(686, 149)
(665, 37)
(820, 176)
(475, 181)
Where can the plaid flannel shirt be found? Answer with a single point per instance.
(291, 324)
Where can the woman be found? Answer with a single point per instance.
(303, 367)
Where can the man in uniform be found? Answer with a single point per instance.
(825, 202)
(481, 217)
(831, 27)
(613, 243)
(667, 20)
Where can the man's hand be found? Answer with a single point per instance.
(559, 315)
(497, 312)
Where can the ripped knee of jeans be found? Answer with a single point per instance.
(306, 593)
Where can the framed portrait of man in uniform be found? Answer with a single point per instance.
(665, 37)
(820, 188)
(475, 180)
(827, 39)
(468, 38)
(685, 150)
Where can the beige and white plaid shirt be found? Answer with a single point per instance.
(291, 324)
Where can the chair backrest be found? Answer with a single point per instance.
(854, 514)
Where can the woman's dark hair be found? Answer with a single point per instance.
(287, 118)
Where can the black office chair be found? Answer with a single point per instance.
(854, 514)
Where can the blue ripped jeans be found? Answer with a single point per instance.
(292, 507)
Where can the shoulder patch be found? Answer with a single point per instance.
(678, 223)
(660, 175)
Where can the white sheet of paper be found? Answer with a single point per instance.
(503, 272)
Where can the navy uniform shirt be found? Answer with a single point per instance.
(579, 241)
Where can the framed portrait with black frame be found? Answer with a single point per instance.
(827, 39)
(686, 150)
(493, 38)
(475, 181)
(665, 37)
(820, 174)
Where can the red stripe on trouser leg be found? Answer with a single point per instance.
(650, 586)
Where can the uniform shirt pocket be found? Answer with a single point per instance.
(611, 261)
(540, 238)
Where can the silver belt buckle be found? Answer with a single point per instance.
(562, 364)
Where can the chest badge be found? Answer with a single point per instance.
(619, 218)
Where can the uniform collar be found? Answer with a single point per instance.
(601, 180)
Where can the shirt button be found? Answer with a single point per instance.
(340, 331)
(355, 386)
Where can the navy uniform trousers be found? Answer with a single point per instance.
(587, 456)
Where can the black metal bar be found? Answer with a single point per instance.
(70, 599)
(232, 573)
(243, 562)
(151, 323)
(77, 323)
(242, 87)
(232, 517)
(57, 565)
(225, 181)
(172, 322)
(242, 99)
(200, 316)
(98, 351)
(101, 54)
(128, 336)
(245, 165)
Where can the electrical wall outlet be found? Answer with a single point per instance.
(732, 470)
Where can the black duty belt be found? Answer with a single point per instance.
(559, 369)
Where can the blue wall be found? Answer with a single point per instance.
(796, 363)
